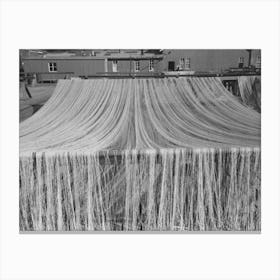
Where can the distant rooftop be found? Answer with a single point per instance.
(91, 54)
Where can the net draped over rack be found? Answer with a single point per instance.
(141, 154)
(250, 91)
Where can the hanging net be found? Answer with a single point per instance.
(250, 91)
(140, 154)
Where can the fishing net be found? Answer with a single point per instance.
(250, 91)
(140, 154)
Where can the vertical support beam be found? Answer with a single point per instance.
(106, 65)
(250, 57)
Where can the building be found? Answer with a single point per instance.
(54, 66)
(211, 61)
(51, 65)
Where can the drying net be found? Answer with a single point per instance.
(141, 154)
(250, 91)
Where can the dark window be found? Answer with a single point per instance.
(232, 86)
(171, 65)
(52, 67)
(151, 65)
(137, 66)
(241, 62)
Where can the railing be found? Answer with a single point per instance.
(27, 76)
(163, 74)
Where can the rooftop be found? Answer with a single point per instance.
(91, 54)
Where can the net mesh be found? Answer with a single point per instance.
(140, 154)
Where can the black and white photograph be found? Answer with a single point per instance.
(140, 140)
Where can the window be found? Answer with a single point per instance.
(187, 63)
(232, 86)
(137, 66)
(52, 67)
(182, 63)
(241, 62)
(171, 65)
(241, 59)
(115, 66)
(151, 65)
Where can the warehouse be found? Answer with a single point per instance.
(53, 65)
(158, 148)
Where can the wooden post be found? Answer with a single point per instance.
(27, 91)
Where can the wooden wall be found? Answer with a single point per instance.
(209, 60)
(201, 60)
